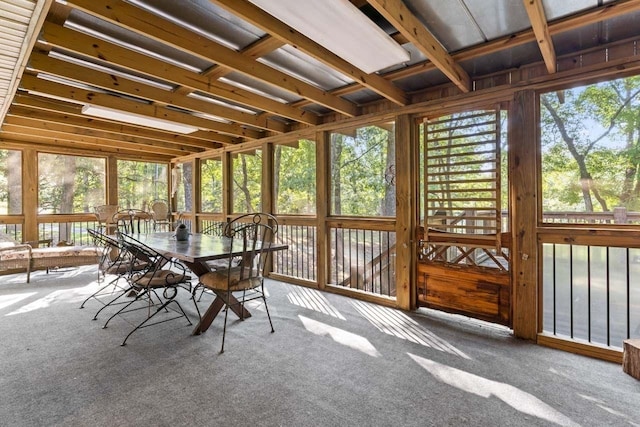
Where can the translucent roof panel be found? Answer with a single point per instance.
(253, 85)
(554, 9)
(449, 21)
(498, 18)
(104, 30)
(300, 65)
(207, 19)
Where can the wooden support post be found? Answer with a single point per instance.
(30, 195)
(323, 186)
(406, 209)
(112, 181)
(196, 194)
(631, 358)
(227, 185)
(523, 190)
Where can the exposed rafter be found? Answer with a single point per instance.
(156, 28)
(406, 22)
(541, 30)
(289, 35)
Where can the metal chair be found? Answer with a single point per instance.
(133, 221)
(161, 216)
(160, 273)
(111, 260)
(243, 276)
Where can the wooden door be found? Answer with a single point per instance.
(464, 258)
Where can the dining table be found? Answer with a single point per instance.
(194, 253)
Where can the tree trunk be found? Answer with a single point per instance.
(14, 182)
(187, 180)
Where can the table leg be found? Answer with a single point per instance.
(214, 309)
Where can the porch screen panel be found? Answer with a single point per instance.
(462, 154)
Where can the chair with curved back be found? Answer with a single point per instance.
(251, 235)
(161, 216)
(104, 216)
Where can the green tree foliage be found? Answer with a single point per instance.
(295, 178)
(361, 172)
(247, 182)
(70, 184)
(591, 147)
(211, 185)
(140, 183)
(10, 182)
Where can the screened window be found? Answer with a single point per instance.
(590, 155)
(10, 182)
(211, 185)
(295, 178)
(140, 183)
(247, 182)
(182, 177)
(363, 171)
(70, 184)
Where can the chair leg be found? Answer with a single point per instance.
(163, 306)
(224, 329)
(96, 293)
(141, 294)
(266, 307)
(126, 291)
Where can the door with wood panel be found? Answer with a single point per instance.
(463, 263)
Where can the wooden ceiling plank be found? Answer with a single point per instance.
(46, 108)
(406, 22)
(41, 62)
(289, 35)
(149, 25)
(79, 43)
(32, 83)
(541, 30)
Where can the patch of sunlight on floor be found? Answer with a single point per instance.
(340, 336)
(73, 295)
(602, 405)
(7, 300)
(312, 299)
(483, 387)
(395, 322)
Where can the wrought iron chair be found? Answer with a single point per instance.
(160, 273)
(133, 221)
(111, 260)
(243, 276)
(161, 215)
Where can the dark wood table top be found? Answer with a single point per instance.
(199, 248)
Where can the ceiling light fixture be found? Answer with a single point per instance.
(340, 27)
(137, 119)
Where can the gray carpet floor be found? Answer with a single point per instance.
(333, 361)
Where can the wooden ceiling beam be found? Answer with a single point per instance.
(541, 30)
(592, 16)
(149, 25)
(49, 109)
(289, 35)
(410, 26)
(58, 138)
(87, 126)
(32, 83)
(85, 45)
(114, 83)
(19, 140)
